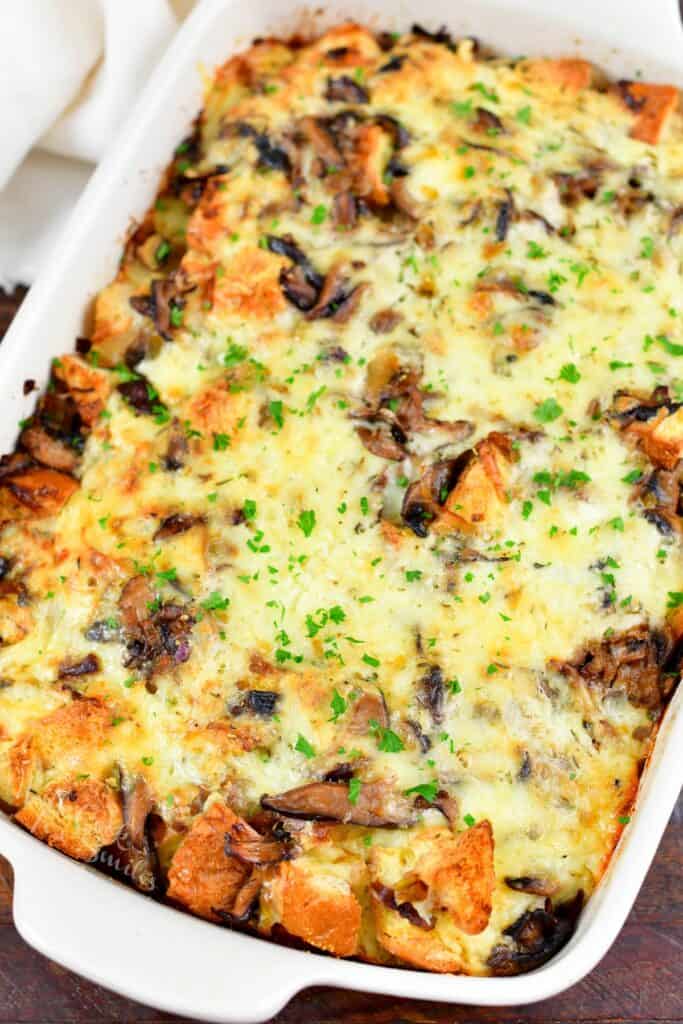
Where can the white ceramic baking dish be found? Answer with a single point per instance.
(69, 911)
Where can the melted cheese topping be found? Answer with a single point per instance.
(522, 305)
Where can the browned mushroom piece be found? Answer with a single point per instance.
(157, 634)
(634, 662)
(487, 122)
(369, 709)
(535, 937)
(178, 522)
(50, 451)
(83, 667)
(336, 300)
(403, 200)
(164, 303)
(575, 187)
(431, 692)
(394, 403)
(403, 907)
(250, 847)
(384, 321)
(322, 141)
(532, 884)
(345, 210)
(349, 305)
(375, 807)
(345, 90)
(136, 841)
(177, 448)
(134, 602)
(382, 443)
(675, 222)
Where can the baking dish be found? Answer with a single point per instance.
(128, 955)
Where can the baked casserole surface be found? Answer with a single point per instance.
(340, 565)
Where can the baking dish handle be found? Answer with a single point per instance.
(147, 951)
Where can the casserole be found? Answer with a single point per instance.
(433, 990)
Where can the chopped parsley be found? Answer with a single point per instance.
(548, 410)
(428, 790)
(215, 602)
(306, 522)
(304, 747)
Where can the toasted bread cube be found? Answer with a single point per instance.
(88, 387)
(316, 906)
(567, 74)
(38, 492)
(664, 443)
(424, 949)
(17, 766)
(460, 873)
(479, 494)
(454, 878)
(77, 816)
(202, 876)
(656, 104)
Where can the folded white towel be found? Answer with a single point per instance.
(70, 72)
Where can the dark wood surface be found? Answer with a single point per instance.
(640, 979)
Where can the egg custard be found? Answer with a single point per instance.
(341, 575)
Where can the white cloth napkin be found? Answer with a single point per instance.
(70, 72)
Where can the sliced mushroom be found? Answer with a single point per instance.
(345, 209)
(394, 63)
(336, 300)
(329, 801)
(403, 200)
(345, 90)
(575, 187)
(634, 661)
(387, 896)
(250, 847)
(431, 692)
(257, 702)
(536, 937)
(270, 156)
(178, 522)
(86, 666)
(50, 451)
(384, 321)
(532, 884)
(322, 141)
(383, 443)
(166, 294)
(506, 213)
(370, 708)
(177, 447)
(442, 36)
(487, 121)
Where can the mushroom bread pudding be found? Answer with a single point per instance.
(341, 575)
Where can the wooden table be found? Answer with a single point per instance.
(640, 979)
